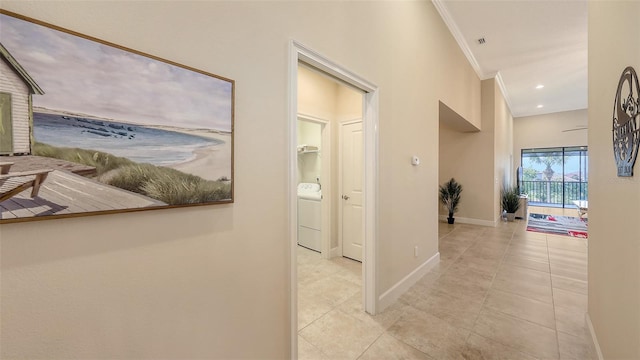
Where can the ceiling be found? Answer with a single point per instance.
(528, 43)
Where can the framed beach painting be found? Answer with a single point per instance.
(88, 127)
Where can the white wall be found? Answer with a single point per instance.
(614, 202)
(202, 282)
(544, 131)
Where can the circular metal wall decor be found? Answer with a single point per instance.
(626, 135)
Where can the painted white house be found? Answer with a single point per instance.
(16, 106)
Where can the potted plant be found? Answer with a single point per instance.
(510, 201)
(450, 197)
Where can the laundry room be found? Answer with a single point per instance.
(329, 113)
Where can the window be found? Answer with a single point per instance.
(554, 176)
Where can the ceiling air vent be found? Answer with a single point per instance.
(481, 41)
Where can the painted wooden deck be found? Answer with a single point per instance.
(67, 193)
(32, 162)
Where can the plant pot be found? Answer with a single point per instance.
(450, 220)
(511, 216)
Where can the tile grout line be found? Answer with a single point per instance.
(507, 315)
(386, 331)
(334, 307)
(484, 300)
(314, 346)
(519, 318)
(475, 240)
(553, 299)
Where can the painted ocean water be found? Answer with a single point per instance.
(137, 143)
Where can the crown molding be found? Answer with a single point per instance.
(457, 34)
(503, 88)
(464, 46)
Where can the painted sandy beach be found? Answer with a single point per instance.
(210, 162)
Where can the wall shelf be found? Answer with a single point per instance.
(308, 149)
(309, 152)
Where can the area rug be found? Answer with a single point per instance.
(558, 225)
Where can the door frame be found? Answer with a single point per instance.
(340, 179)
(301, 53)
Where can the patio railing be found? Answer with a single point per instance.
(554, 192)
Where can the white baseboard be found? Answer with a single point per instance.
(594, 339)
(471, 221)
(391, 295)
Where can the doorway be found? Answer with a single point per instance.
(329, 171)
(299, 54)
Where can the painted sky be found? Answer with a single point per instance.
(83, 76)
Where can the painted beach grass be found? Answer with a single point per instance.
(168, 185)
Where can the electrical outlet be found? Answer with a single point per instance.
(415, 251)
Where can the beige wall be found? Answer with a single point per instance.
(203, 281)
(544, 131)
(468, 157)
(503, 148)
(427, 66)
(317, 99)
(478, 160)
(317, 94)
(614, 202)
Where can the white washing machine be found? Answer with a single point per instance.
(309, 216)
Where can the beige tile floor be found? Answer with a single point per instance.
(497, 293)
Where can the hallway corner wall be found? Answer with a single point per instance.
(479, 160)
(614, 202)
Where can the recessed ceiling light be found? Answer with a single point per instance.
(540, 106)
(540, 86)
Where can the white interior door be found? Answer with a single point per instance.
(352, 151)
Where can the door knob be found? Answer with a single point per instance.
(346, 197)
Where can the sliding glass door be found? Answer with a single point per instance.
(575, 174)
(554, 176)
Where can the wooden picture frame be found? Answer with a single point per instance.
(88, 127)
